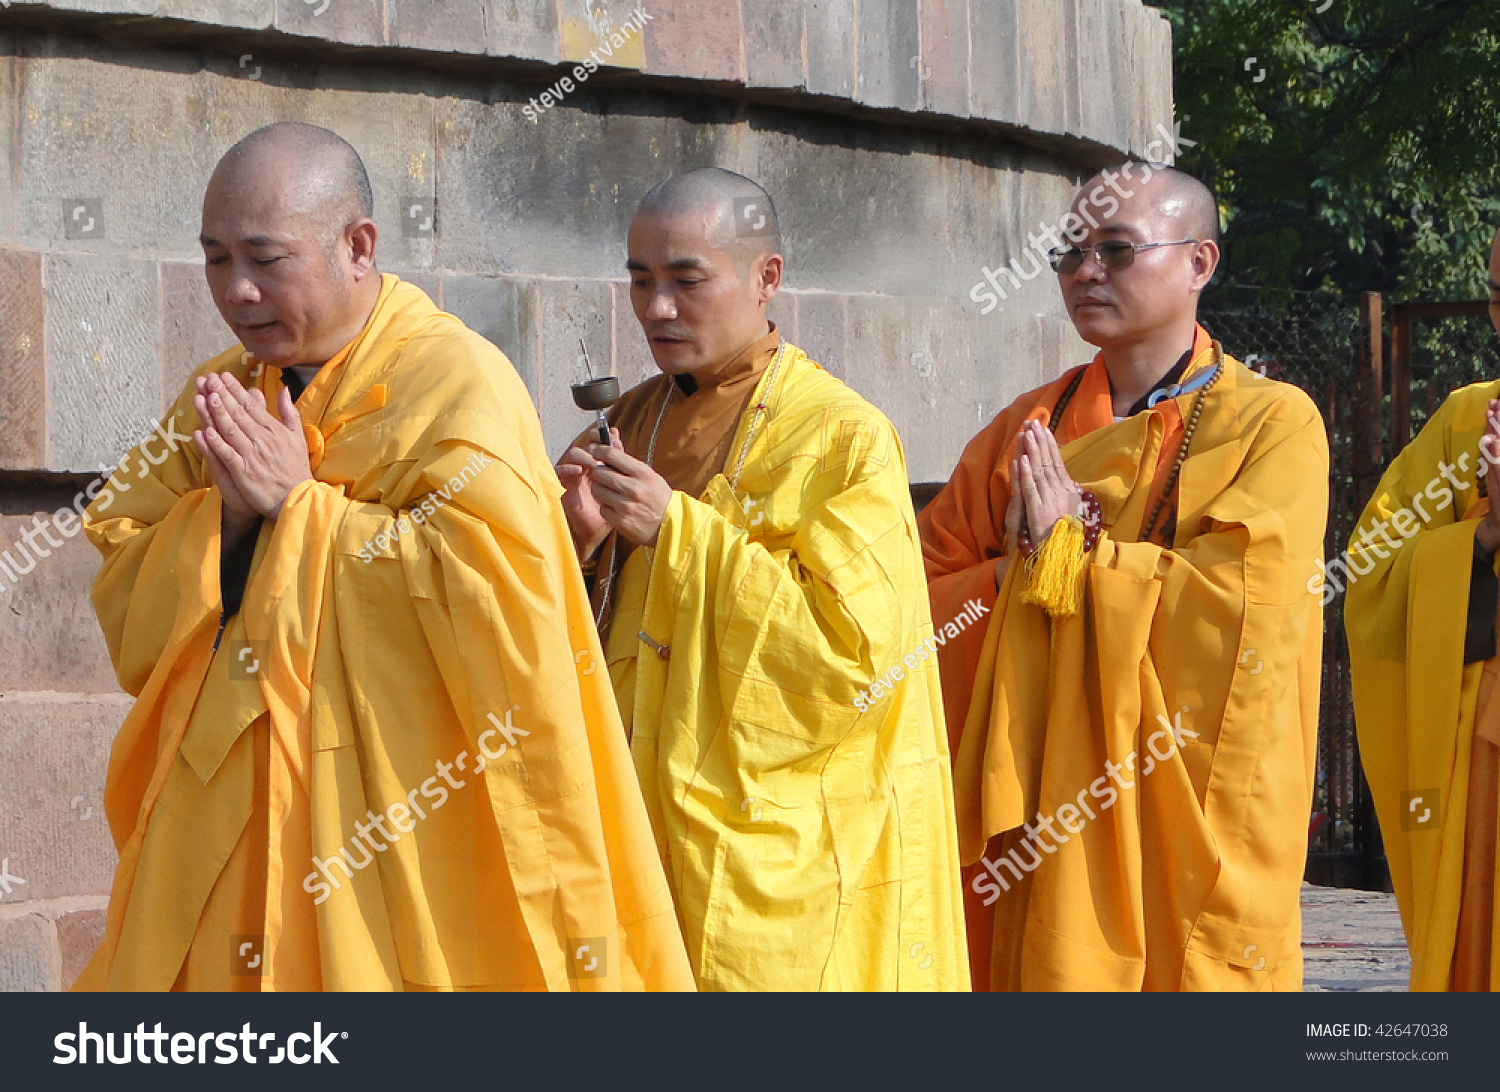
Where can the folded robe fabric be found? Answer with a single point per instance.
(1422, 714)
(1160, 744)
(808, 836)
(402, 768)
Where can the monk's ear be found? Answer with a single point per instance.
(1205, 261)
(767, 271)
(359, 239)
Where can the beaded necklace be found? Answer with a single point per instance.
(1187, 440)
(760, 406)
(661, 415)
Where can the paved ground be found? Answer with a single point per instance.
(1352, 941)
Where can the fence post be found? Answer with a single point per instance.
(1369, 421)
(1400, 431)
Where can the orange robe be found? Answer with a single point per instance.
(399, 766)
(1133, 782)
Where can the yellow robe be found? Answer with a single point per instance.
(464, 635)
(1415, 701)
(1165, 734)
(809, 845)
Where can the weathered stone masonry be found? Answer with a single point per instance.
(908, 145)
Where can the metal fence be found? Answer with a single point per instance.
(1377, 378)
(1436, 348)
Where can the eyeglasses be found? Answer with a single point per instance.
(1116, 254)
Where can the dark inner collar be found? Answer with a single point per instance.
(1164, 382)
(294, 383)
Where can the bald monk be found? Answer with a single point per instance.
(362, 756)
(755, 562)
(1135, 729)
(1420, 618)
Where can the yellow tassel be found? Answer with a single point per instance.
(1055, 570)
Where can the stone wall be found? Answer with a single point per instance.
(907, 144)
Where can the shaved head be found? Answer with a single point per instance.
(740, 213)
(289, 242)
(319, 173)
(1177, 196)
(704, 261)
(1141, 301)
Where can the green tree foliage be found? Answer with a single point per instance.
(1367, 157)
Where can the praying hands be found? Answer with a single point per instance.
(254, 459)
(1040, 485)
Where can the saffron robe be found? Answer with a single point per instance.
(1429, 724)
(413, 655)
(810, 845)
(1169, 728)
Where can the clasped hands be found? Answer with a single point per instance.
(1040, 488)
(254, 459)
(607, 489)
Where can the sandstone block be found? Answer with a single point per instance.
(23, 407)
(103, 377)
(48, 629)
(28, 955)
(773, 44)
(54, 750)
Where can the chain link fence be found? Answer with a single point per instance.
(1446, 354)
(1318, 345)
(1321, 345)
